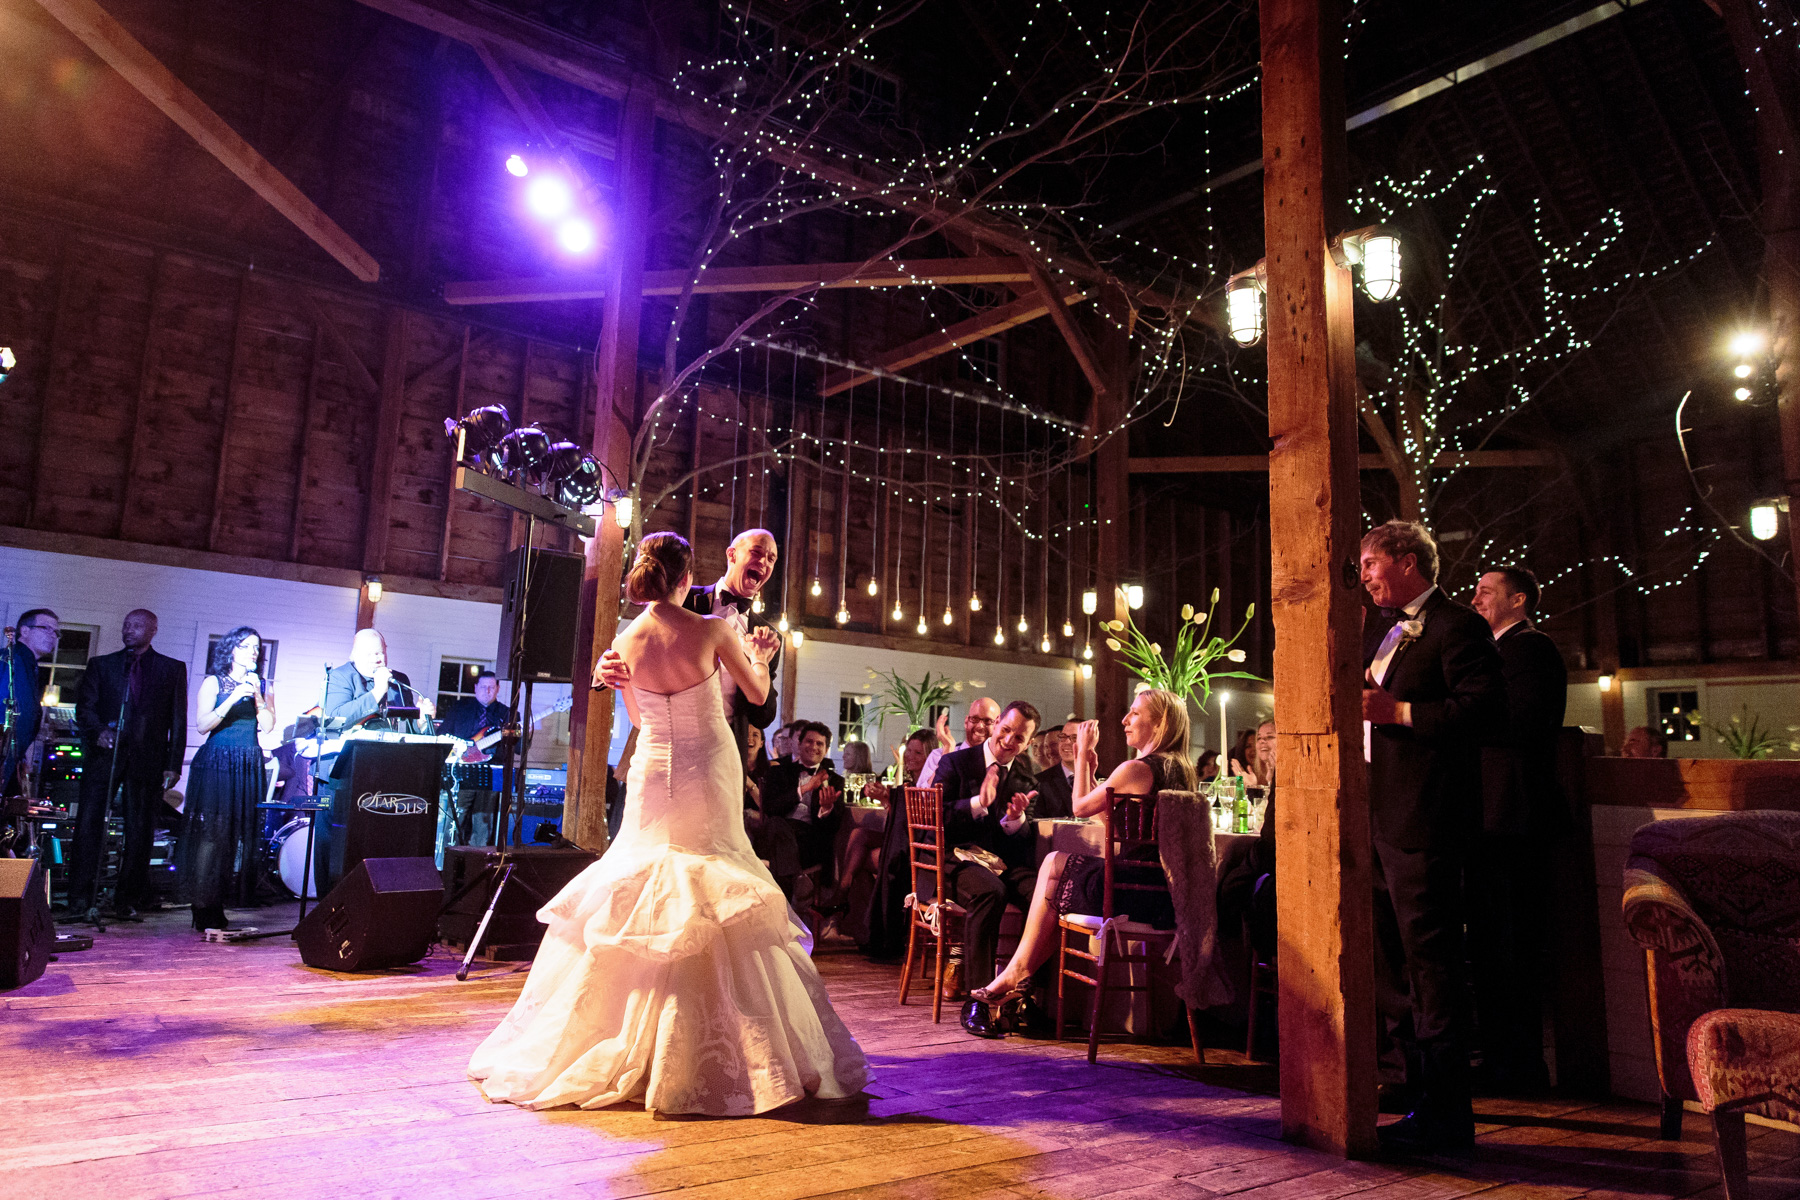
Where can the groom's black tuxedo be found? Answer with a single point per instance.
(712, 601)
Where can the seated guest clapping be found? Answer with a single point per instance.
(1157, 728)
(800, 810)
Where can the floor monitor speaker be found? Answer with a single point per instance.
(550, 603)
(539, 873)
(26, 932)
(382, 914)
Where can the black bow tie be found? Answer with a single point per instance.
(732, 599)
(1391, 614)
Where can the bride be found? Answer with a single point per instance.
(673, 971)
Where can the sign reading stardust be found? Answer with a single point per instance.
(392, 804)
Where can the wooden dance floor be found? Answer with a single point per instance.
(159, 1065)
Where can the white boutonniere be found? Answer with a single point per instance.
(1410, 629)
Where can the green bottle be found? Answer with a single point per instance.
(1240, 807)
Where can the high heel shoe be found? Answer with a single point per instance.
(991, 1013)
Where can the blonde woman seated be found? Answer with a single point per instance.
(1156, 727)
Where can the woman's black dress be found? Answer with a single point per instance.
(1082, 888)
(218, 851)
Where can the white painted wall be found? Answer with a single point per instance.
(313, 623)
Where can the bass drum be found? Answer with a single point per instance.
(288, 848)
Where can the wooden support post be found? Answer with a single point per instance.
(1112, 506)
(615, 421)
(1326, 957)
(380, 498)
(1774, 79)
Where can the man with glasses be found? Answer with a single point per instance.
(1056, 783)
(977, 725)
(35, 641)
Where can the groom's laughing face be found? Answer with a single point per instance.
(750, 562)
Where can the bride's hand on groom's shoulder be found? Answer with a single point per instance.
(611, 670)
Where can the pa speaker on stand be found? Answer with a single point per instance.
(546, 650)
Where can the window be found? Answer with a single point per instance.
(265, 659)
(937, 710)
(980, 362)
(853, 724)
(63, 669)
(456, 679)
(873, 96)
(1674, 711)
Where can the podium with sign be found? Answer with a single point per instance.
(384, 804)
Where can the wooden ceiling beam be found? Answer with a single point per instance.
(1064, 320)
(995, 320)
(931, 272)
(125, 54)
(1212, 464)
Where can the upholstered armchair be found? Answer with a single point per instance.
(1715, 903)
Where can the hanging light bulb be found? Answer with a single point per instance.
(948, 619)
(1045, 644)
(756, 604)
(1090, 601)
(818, 589)
(843, 616)
(999, 636)
(899, 613)
(873, 586)
(782, 625)
(974, 602)
(1087, 651)
(1068, 629)
(923, 628)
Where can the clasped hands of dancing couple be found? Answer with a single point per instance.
(673, 970)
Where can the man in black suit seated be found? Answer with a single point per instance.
(131, 711)
(1523, 813)
(988, 804)
(1056, 782)
(1432, 691)
(801, 814)
(749, 564)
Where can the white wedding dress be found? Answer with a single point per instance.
(673, 971)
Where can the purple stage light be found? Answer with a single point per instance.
(575, 235)
(549, 197)
(516, 164)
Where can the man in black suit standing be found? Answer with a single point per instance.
(988, 796)
(36, 638)
(749, 564)
(1432, 690)
(131, 712)
(1056, 782)
(801, 813)
(1523, 813)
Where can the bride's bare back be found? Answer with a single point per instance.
(669, 649)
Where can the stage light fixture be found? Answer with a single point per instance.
(522, 453)
(576, 235)
(481, 432)
(572, 475)
(549, 197)
(516, 165)
(1090, 601)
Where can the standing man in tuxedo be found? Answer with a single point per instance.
(1523, 812)
(1056, 782)
(131, 712)
(749, 564)
(801, 813)
(987, 798)
(35, 640)
(1432, 691)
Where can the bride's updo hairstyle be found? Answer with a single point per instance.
(662, 559)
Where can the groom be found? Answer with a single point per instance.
(749, 564)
